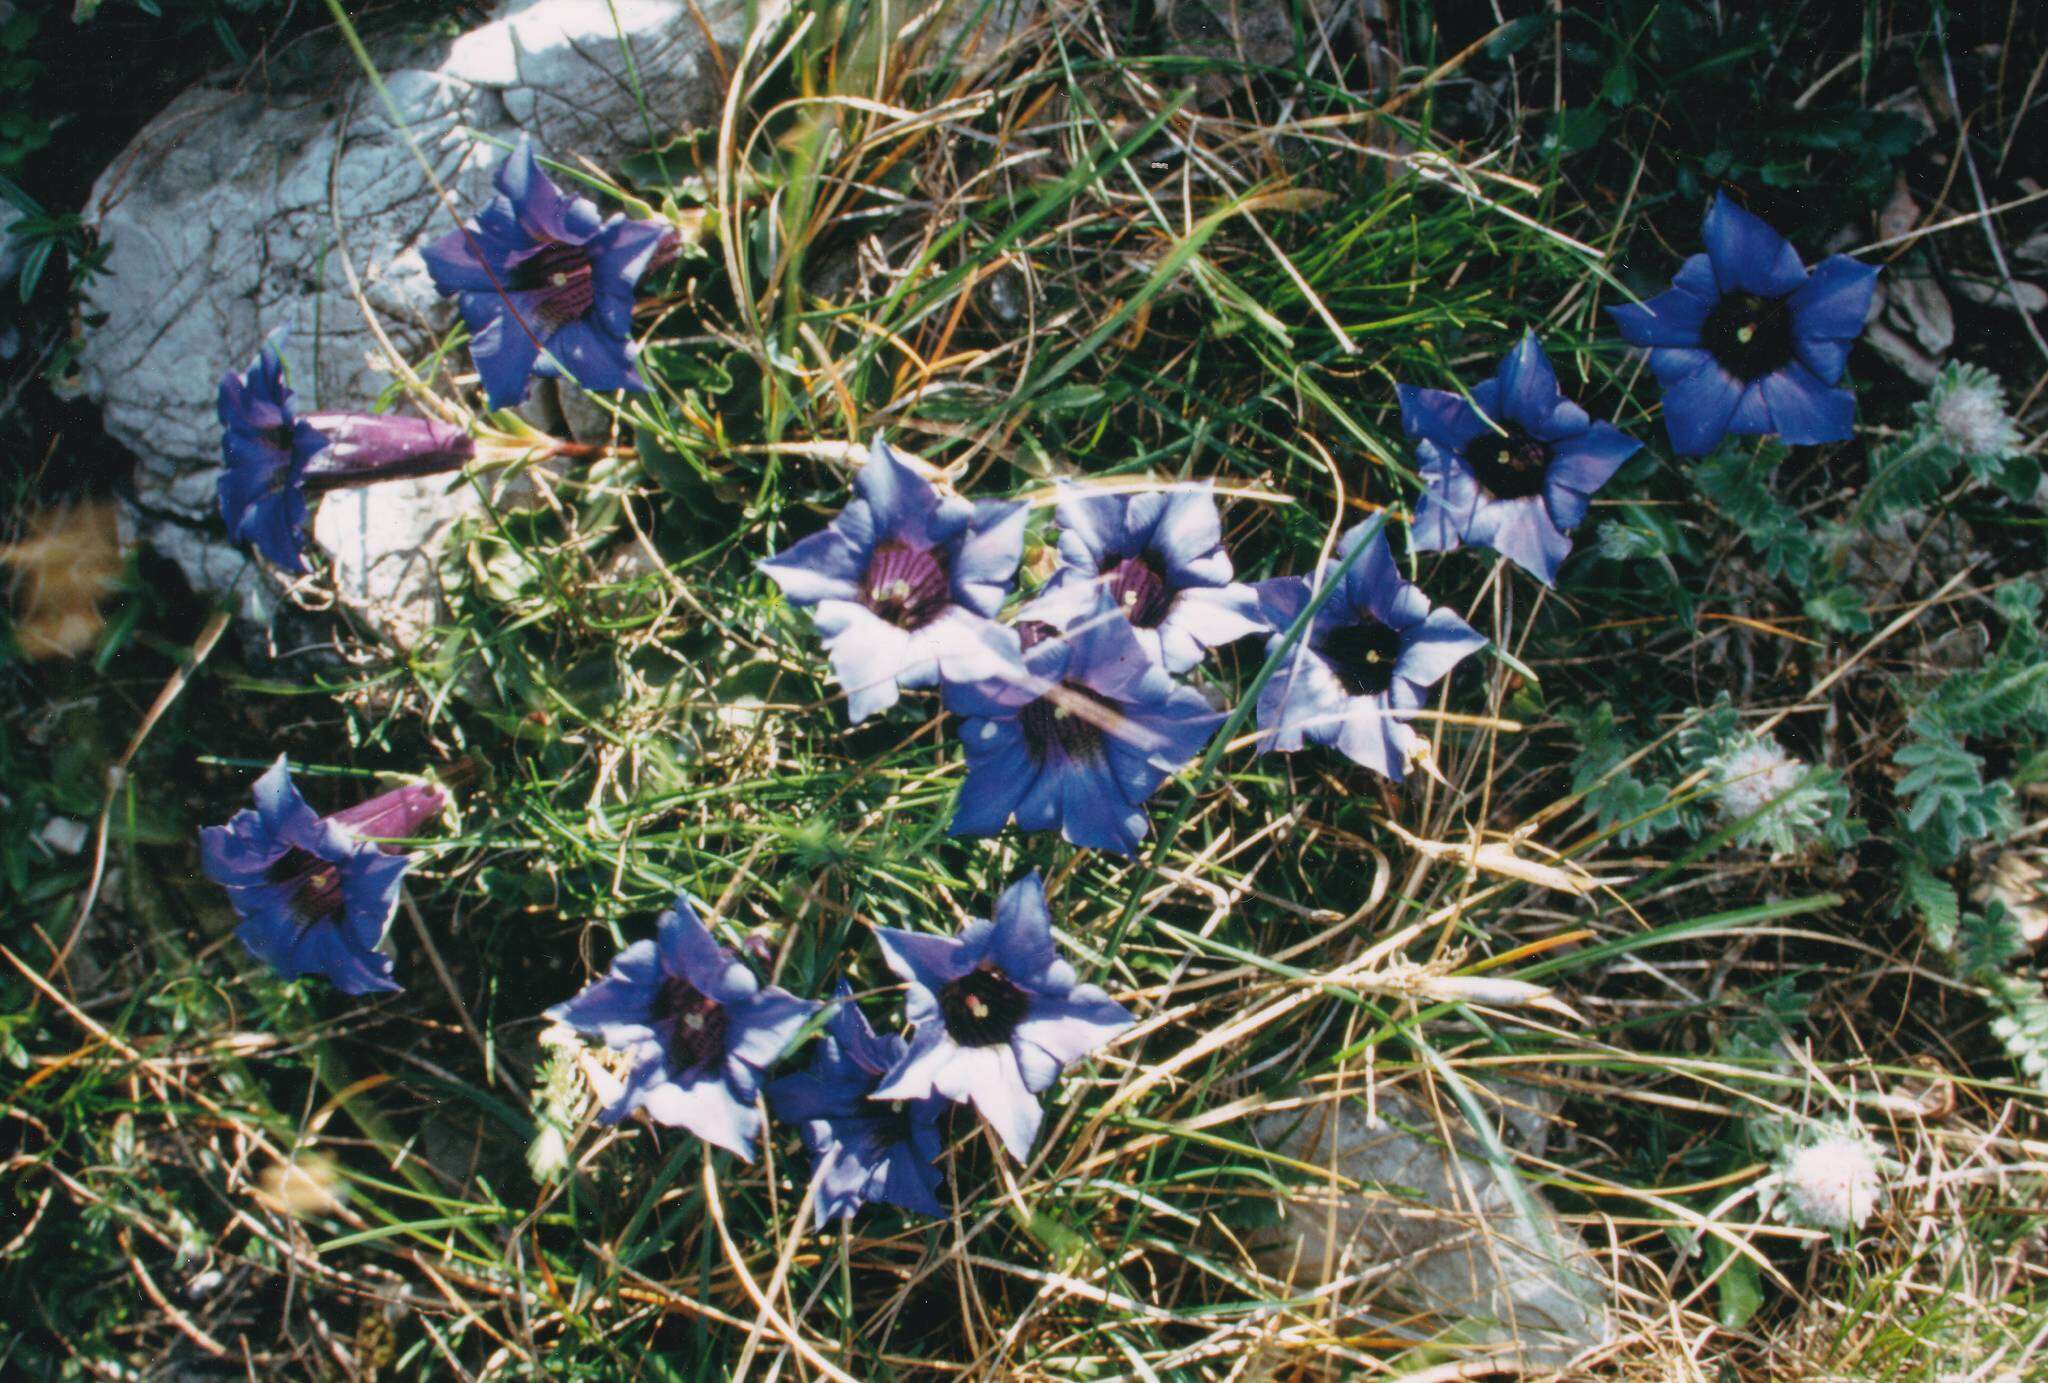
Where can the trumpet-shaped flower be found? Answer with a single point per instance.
(315, 893)
(273, 459)
(903, 583)
(998, 1015)
(697, 1026)
(863, 1149)
(1747, 341)
(1364, 664)
(1160, 555)
(1080, 738)
(545, 284)
(265, 450)
(1514, 472)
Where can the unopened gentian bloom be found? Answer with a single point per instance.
(1368, 657)
(903, 583)
(697, 1025)
(273, 458)
(1160, 555)
(545, 284)
(1081, 739)
(998, 1015)
(863, 1149)
(315, 893)
(1747, 341)
(1514, 472)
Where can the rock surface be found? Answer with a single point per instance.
(1433, 1242)
(239, 210)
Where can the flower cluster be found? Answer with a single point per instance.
(1074, 701)
(1073, 714)
(546, 287)
(996, 1016)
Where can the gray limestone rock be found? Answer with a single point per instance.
(242, 209)
(1433, 1242)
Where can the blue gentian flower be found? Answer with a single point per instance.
(998, 1015)
(1160, 555)
(698, 1027)
(903, 582)
(274, 459)
(863, 1149)
(1514, 472)
(315, 893)
(545, 284)
(1370, 654)
(265, 449)
(1081, 739)
(1747, 341)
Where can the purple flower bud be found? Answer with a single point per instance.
(316, 893)
(366, 447)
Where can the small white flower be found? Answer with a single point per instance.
(1754, 774)
(1967, 407)
(1833, 1180)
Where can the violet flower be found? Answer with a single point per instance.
(864, 1149)
(1747, 341)
(1081, 740)
(273, 459)
(265, 450)
(903, 583)
(315, 893)
(998, 1015)
(1160, 555)
(697, 1025)
(1514, 472)
(1367, 659)
(545, 284)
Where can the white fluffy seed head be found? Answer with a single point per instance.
(1834, 1182)
(1969, 410)
(1754, 775)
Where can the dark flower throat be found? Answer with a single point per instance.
(907, 586)
(1749, 336)
(698, 1038)
(1363, 656)
(1051, 720)
(982, 1008)
(1511, 466)
(562, 274)
(1140, 591)
(315, 885)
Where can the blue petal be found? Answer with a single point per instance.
(1374, 737)
(871, 658)
(1067, 1028)
(1000, 772)
(1835, 301)
(453, 264)
(1521, 531)
(1439, 416)
(1302, 703)
(601, 363)
(1022, 941)
(1441, 642)
(617, 1008)
(928, 962)
(505, 353)
(1748, 256)
(701, 1102)
(1698, 407)
(761, 1028)
(1805, 411)
(1206, 617)
(1188, 538)
(1093, 534)
(987, 556)
(1528, 385)
(1672, 318)
(824, 566)
(689, 952)
(905, 505)
(1450, 494)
